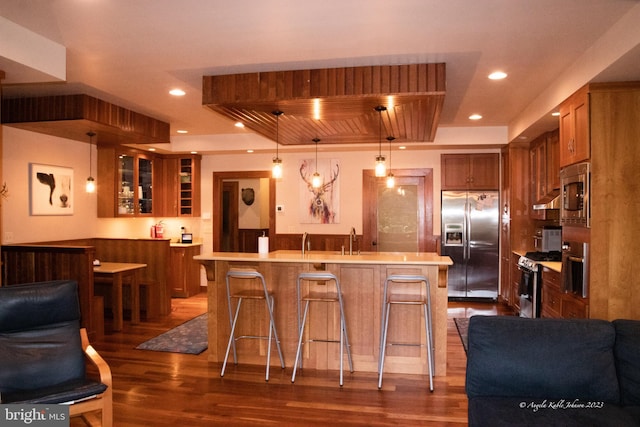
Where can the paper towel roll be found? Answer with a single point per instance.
(263, 245)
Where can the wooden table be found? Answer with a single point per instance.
(116, 272)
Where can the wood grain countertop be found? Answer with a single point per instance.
(329, 257)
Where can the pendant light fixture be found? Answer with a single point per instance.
(391, 180)
(316, 179)
(91, 183)
(276, 169)
(381, 168)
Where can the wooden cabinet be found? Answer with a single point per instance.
(514, 284)
(181, 177)
(551, 303)
(545, 170)
(574, 128)
(470, 171)
(133, 183)
(516, 227)
(557, 304)
(184, 274)
(127, 183)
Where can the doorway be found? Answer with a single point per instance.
(218, 217)
(229, 236)
(398, 219)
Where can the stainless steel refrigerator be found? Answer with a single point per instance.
(470, 236)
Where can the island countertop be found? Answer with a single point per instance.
(389, 258)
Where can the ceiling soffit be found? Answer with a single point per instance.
(336, 105)
(72, 116)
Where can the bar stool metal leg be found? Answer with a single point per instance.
(302, 318)
(388, 300)
(233, 318)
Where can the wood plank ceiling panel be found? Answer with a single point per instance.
(72, 116)
(336, 105)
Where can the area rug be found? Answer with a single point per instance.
(188, 338)
(462, 323)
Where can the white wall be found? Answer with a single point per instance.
(20, 148)
(23, 147)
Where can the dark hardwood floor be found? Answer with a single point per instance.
(158, 389)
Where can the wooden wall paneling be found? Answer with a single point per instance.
(615, 235)
(153, 252)
(36, 263)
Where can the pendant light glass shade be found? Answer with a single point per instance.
(276, 168)
(316, 179)
(381, 167)
(90, 186)
(391, 181)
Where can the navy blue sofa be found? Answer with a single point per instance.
(553, 372)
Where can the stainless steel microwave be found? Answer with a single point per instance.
(575, 183)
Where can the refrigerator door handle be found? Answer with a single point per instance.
(467, 232)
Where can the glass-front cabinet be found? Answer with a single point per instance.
(134, 183)
(125, 188)
(135, 194)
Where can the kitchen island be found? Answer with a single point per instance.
(362, 279)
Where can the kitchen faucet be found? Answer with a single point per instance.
(305, 239)
(352, 238)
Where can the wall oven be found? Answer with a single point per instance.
(575, 268)
(575, 207)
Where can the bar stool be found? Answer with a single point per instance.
(314, 296)
(390, 298)
(256, 294)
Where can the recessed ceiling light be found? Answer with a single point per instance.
(152, 149)
(182, 131)
(555, 113)
(497, 75)
(475, 117)
(194, 152)
(177, 92)
(249, 151)
(402, 147)
(239, 125)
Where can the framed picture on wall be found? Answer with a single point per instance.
(51, 190)
(321, 204)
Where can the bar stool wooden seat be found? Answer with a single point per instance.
(417, 297)
(256, 293)
(328, 296)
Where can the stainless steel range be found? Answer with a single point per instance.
(531, 281)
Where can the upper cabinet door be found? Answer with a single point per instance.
(575, 143)
(477, 171)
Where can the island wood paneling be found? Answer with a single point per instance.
(362, 286)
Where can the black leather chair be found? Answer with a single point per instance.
(43, 350)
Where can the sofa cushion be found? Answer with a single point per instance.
(541, 359)
(627, 352)
(515, 412)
